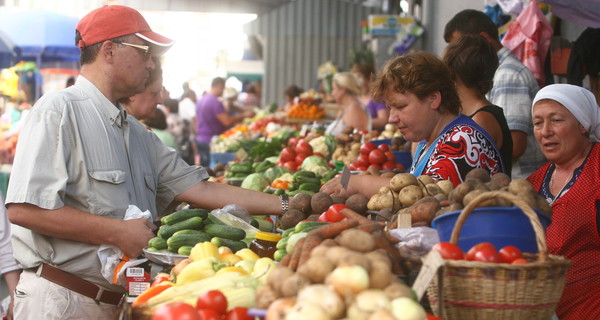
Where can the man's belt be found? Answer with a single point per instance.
(78, 285)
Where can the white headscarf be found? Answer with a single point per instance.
(579, 101)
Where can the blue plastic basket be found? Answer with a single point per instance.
(382, 141)
(405, 158)
(501, 226)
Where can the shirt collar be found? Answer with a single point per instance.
(503, 53)
(115, 115)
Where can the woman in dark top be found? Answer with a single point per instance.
(473, 62)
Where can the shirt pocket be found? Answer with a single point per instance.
(110, 196)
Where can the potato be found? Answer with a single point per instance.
(384, 190)
(474, 194)
(356, 240)
(301, 201)
(274, 278)
(374, 202)
(353, 258)
(478, 173)
(446, 186)
(409, 195)
(358, 203)
(389, 174)
(460, 191)
(291, 218)
(402, 180)
(432, 189)
(336, 253)
(397, 290)
(265, 295)
(500, 179)
(316, 268)
(380, 275)
(320, 202)
(441, 197)
(379, 256)
(384, 214)
(319, 250)
(280, 308)
(425, 179)
(520, 186)
(291, 285)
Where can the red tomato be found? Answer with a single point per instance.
(432, 317)
(471, 253)
(449, 251)
(508, 254)
(322, 218)
(384, 147)
(362, 160)
(176, 311)
(367, 147)
(352, 166)
(388, 166)
(334, 213)
(299, 158)
(279, 163)
(374, 165)
(303, 147)
(238, 313)
(212, 299)
(487, 255)
(287, 154)
(390, 156)
(361, 168)
(377, 156)
(208, 314)
(291, 165)
(520, 261)
(292, 142)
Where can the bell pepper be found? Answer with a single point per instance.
(151, 292)
(247, 254)
(230, 258)
(262, 268)
(204, 250)
(247, 265)
(232, 269)
(159, 278)
(197, 270)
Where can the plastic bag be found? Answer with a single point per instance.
(111, 256)
(417, 240)
(235, 221)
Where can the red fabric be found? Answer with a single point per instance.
(573, 234)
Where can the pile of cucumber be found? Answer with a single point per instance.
(291, 236)
(182, 230)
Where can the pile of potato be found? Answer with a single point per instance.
(335, 281)
(348, 146)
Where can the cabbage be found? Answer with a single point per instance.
(255, 181)
(275, 172)
(315, 164)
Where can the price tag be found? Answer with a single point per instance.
(431, 265)
(345, 180)
(404, 220)
(304, 129)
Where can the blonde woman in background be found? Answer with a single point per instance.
(346, 92)
(364, 73)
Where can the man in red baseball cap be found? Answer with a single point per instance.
(81, 161)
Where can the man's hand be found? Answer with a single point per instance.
(134, 236)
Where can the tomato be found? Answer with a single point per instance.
(432, 317)
(322, 218)
(212, 299)
(399, 166)
(303, 147)
(449, 251)
(520, 261)
(361, 168)
(367, 147)
(176, 311)
(208, 314)
(508, 254)
(384, 147)
(487, 255)
(287, 154)
(471, 253)
(238, 313)
(299, 158)
(374, 165)
(388, 166)
(362, 160)
(334, 213)
(377, 157)
(352, 166)
(291, 165)
(390, 156)
(292, 142)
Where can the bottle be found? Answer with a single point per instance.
(265, 244)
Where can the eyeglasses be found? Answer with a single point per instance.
(146, 49)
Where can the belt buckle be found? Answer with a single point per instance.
(99, 295)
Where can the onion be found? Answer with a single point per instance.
(368, 302)
(326, 298)
(307, 310)
(407, 309)
(348, 280)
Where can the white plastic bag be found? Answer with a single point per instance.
(417, 240)
(235, 221)
(111, 256)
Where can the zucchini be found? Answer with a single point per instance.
(157, 243)
(234, 245)
(166, 231)
(184, 250)
(187, 239)
(225, 231)
(183, 215)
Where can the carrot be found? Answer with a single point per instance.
(151, 292)
(286, 260)
(333, 229)
(424, 209)
(351, 214)
(295, 259)
(370, 227)
(310, 243)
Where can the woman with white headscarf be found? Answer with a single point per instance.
(566, 121)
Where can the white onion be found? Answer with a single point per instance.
(326, 298)
(407, 309)
(348, 280)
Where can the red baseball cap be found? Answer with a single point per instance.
(109, 22)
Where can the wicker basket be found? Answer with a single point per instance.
(477, 290)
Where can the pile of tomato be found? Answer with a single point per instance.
(291, 157)
(211, 305)
(372, 155)
(483, 252)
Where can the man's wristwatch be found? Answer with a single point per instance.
(285, 203)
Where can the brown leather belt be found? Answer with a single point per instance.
(78, 285)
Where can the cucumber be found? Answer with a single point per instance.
(305, 226)
(186, 239)
(187, 231)
(184, 250)
(183, 215)
(309, 186)
(224, 231)
(215, 220)
(153, 249)
(157, 243)
(234, 245)
(254, 223)
(279, 254)
(308, 174)
(287, 232)
(166, 231)
(264, 225)
(282, 243)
